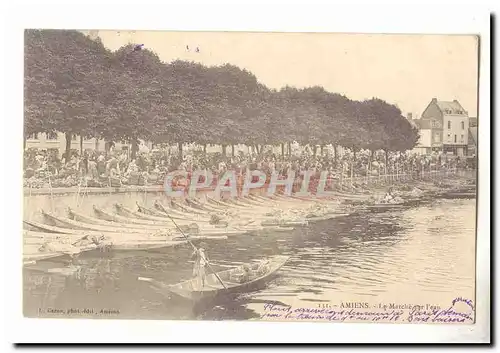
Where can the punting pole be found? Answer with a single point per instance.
(194, 247)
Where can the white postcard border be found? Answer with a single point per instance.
(375, 18)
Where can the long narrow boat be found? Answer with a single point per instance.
(147, 219)
(188, 209)
(83, 218)
(193, 290)
(267, 201)
(151, 212)
(227, 204)
(205, 206)
(33, 253)
(159, 206)
(191, 203)
(138, 228)
(215, 203)
(105, 215)
(253, 202)
(142, 245)
(54, 229)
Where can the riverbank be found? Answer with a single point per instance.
(346, 184)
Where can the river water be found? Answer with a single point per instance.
(421, 255)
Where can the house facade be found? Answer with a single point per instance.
(450, 126)
(57, 141)
(425, 144)
(472, 148)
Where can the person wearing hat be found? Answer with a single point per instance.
(200, 264)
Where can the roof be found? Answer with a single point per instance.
(473, 135)
(422, 123)
(450, 107)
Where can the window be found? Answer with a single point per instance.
(51, 136)
(455, 138)
(437, 137)
(33, 136)
(74, 137)
(462, 138)
(449, 124)
(463, 125)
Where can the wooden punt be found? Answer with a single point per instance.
(194, 291)
(249, 202)
(151, 212)
(105, 215)
(54, 229)
(83, 218)
(230, 204)
(205, 206)
(216, 203)
(32, 252)
(193, 204)
(188, 209)
(266, 201)
(143, 245)
(137, 228)
(147, 219)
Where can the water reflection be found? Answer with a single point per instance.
(372, 256)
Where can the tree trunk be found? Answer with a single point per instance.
(283, 149)
(335, 154)
(24, 143)
(134, 149)
(354, 152)
(315, 148)
(81, 145)
(107, 147)
(179, 145)
(289, 148)
(68, 136)
(322, 149)
(232, 150)
(96, 144)
(205, 148)
(224, 150)
(386, 157)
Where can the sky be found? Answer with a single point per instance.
(406, 70)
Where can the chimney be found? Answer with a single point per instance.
(434, 100)
(410, 116)
(455, 101)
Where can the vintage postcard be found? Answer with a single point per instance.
(313, 177)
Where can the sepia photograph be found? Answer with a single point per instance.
(166, 177)
(329, 178)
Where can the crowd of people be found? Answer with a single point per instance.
(45, 169)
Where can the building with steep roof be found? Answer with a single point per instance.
(450, 125)
(425, 143)
(472, 148)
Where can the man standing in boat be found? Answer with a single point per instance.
(200, 264)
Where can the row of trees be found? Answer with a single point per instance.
(75, 85)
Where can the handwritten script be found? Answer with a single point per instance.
(461, 310)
